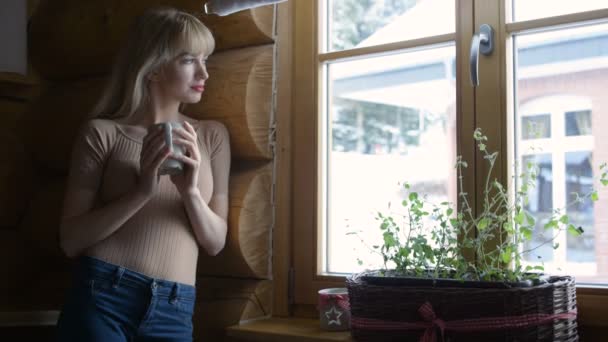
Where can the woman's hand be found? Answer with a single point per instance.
(187, 181)
(153, 153)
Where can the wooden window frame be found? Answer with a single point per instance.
(296, 256)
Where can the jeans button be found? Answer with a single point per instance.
(153, 285)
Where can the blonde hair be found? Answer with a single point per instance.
(158, 36)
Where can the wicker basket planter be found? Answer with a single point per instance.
(544, 312)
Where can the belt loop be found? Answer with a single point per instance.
(174, 293)
(118, 276)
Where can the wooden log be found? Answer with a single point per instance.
(52, 121)
(40, 226)
(222, 302)
(18, 266)
(31, 280)
(19, 90)
(73, 39)
(261, 305)
(16, 177)
(247, 253)
(11, 110)
(16, 166)
(239, 94)
(241, 29)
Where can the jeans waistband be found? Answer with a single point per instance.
(93, 268)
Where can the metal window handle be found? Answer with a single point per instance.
(482, 42)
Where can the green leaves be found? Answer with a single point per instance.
(534, 268)
(575, 231)
(483, 223)
(594, 196)
(478, 135)
(506, 255)
(519, 217)
(508, 227)
(526, 233)
(429, 236)
(552, 224)
(530, 219)
(490, 157)
(389, 240)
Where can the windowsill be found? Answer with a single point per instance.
(281, 329)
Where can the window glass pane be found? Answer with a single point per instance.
(534, 9)
(536, 126)
(540, 204)
(579, 180)
(386, 116)
(563, 74)
(578, 123)
(359, 23)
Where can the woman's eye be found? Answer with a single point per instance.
(194, 60)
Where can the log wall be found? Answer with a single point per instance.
(71, 46)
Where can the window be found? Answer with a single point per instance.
(560, 145)
(384, 115)
(560, 72)
(383, 96)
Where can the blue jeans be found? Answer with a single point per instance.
(112, 304)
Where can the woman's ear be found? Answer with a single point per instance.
(153, 76)
(156, 74)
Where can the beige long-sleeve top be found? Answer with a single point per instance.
(158, 240)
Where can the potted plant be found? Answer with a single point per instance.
(429, 289)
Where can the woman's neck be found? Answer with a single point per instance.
(153, 113)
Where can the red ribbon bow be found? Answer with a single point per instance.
(430, 323)
(341, 301)
(428, 314)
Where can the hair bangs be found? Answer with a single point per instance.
(194, 38)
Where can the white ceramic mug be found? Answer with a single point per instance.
(171, 166)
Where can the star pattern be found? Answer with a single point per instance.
(333, 316)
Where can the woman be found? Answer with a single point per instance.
(135, 232)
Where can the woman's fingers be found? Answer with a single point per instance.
(187, 132)
(187, 137)
(185, 159)
(160, 158)
(155, 151)
(191, 147)
(189, 128)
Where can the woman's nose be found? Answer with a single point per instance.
(202, 72)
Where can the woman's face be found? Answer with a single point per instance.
(183, 79)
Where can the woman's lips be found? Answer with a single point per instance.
(199, 89)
